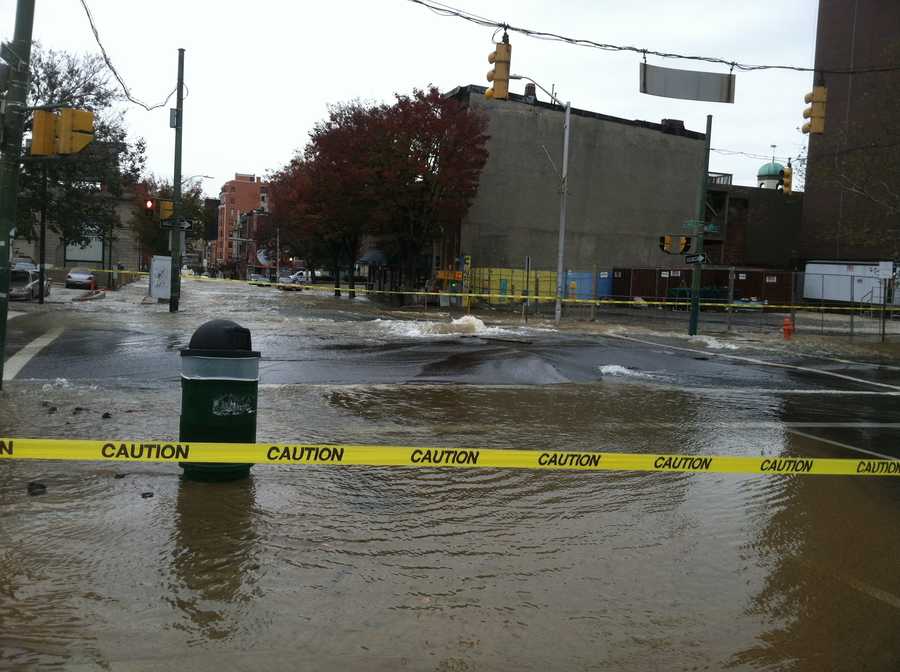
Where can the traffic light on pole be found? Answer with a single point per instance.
(150, 207)
(787, 178)
(684, 244)
(499, 75)
(816, 110)
(665, 244)
(43, 133)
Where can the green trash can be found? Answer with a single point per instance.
(219, 389)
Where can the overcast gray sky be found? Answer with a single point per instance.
(261, 73)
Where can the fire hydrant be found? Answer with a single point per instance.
(219, 390)
(788, 328)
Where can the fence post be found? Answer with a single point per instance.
(822, 307)
(852, 301)
(883, 307)
(794, 300)
(730, 308)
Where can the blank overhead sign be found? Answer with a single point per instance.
(712, 87)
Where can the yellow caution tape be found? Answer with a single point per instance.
(327, 290)
(409, 456)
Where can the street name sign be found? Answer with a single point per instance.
(695, 258)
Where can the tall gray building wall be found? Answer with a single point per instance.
(629, 183)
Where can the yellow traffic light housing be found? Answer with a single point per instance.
(684, 244)
(816, 111)
(665, 244)
(787, 178)
(500, 58)
(43, 133)
(67, 132)
(166, 209)
(75, 130)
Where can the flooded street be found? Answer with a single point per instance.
(130, 567)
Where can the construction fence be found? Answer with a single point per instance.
(730, 298)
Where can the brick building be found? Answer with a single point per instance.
(852, 198)
(243, 195)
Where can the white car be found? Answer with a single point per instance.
(26, 284)
(298, 277)
(80, 278)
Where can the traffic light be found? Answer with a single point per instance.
(787, 177)
(75, 130)
(816, 111)
(150, 207)
(166, 208)
(499, 75)
(665, 244)
(43, 133)
(68, 132)
(684, 244)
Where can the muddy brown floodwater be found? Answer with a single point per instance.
(430, 569)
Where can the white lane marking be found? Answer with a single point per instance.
(753, 360)
(11, 315)
(861, 586)
(871, 365)
(840, 445)
(769, 390)
(18, 361)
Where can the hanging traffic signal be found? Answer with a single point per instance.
(816, 110)
(665, 244)
(787, 178)
(684, 244)
(68, 132)
(499, 75)
(43, 133)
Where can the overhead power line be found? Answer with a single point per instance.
(115, 72)
(447, 10)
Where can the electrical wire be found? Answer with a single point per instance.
(115, 73)
(446, 10)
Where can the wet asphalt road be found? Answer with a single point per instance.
(372, 568)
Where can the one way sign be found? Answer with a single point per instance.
(695, 258)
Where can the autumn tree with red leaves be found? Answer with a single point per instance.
(405, 174)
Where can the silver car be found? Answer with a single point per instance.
(80, 278)
(26, 285)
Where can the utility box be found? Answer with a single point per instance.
(161, 277)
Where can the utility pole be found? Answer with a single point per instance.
(700, 231)
(175, 295)
(18, 56)
(564, 186)
(42, 252)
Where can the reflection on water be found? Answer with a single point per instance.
(831, 598)
(215, 555)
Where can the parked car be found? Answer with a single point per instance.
(297, 278)
(26, 285)
(80, 278)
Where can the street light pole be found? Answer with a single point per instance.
(175, 295)
(700, 231)
(561, 253)
(563, 194)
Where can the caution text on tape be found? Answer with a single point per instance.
(411, 456)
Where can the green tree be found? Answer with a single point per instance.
(82, 189)
(153, 238)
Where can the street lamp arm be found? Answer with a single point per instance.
(552, 97)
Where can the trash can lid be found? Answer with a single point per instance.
(220, 338)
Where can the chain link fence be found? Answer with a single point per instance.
(731, 299)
